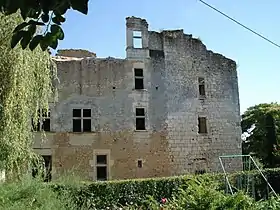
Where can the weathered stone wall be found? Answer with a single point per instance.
(171, 62)
(77, 53)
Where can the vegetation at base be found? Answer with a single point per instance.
(43, 13)
(136, 193)
(174, 193)
(262, 125)
(25, 84)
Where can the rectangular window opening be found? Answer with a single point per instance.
(77, 125)
(101, 159)
(140, 119)
(43, 123)
(138, 72)
(46, 124)
(140, 163)
(82, 120)
(137, 39)
(101, 173)
(48, 168)
(47, 173)
(139, 79)
(201, 87)
(101, 167)
(202, 125)
(77, 113)
(86, 112)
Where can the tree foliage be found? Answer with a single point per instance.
(262, 123)
(44, 13)
(26, 84)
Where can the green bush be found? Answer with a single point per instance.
(32, 194)
(135, 192)
(184, 192)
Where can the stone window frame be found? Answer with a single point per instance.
(206, 124)
(95, 165)
(137, 38)
(82, 118)
(41, 118)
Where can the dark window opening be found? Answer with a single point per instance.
(199, 172)
(140, 163)
(86, 112)
(139, 79)
(101, 173)
(201, 87)
(140, 119)
(82, 120)
(77, 125)
(77, 113)
(47, 174)
(139, 83)
(43, 123)
(140, 124)
(140, 112)
(87, 125)
(138, 72)
(46, 125)
(48, 168)
(202, 125)
(101, 159)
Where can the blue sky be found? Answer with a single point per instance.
(103, 31)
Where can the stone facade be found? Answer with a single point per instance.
(187, 94)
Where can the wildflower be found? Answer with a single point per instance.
(163, 200)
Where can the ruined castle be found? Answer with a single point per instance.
(170, 107)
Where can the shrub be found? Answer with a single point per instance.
(136, 192)
(32, 194)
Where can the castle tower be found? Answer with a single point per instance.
(137, 38)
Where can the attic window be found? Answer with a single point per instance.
(137, 39)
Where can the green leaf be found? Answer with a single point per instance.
(24, 11)
(21, 26)
(10, 7)
(16, 38)
(57, 31)
(45, 18)
(33, 22)
(80, 5)
(54, 43)
(62, 8)
(44, 44)
(25, 40)
(58, 19)
(32, 29)
(35, 41)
